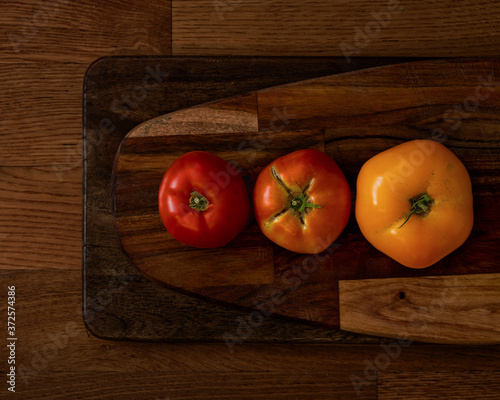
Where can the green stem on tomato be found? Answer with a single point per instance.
(198, 202)
(419, 205)
(300, 203)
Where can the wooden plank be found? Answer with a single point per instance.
(41, 115)
(336, 28)
(418, 97)
(65, 31)
(207, 385)
(40, 217)
(435, 385)
(412, 357)
(453, 309)
(238, 114)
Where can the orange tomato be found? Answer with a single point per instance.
(414, 202)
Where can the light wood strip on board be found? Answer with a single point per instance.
(452, 309)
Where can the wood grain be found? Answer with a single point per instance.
(456, 309)
(40, 216)
(41, 98)
(365, 28)
(209, 385)
(47, 48)
(61, 31)
(435, 385)
(409, 101)
(238, 114)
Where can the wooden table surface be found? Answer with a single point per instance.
(46, 48)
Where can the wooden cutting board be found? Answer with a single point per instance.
(351, 117)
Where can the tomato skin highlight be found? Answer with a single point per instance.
(216, 181)
(386, 185)
(326, 193)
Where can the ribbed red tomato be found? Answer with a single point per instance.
(203, 200)
(302, 201)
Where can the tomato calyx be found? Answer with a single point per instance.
(299, 203)
(419, 205)
(198, 202)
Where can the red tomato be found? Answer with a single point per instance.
(203, 200)
(302, 201)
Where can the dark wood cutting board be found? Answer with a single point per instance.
(351, 117)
